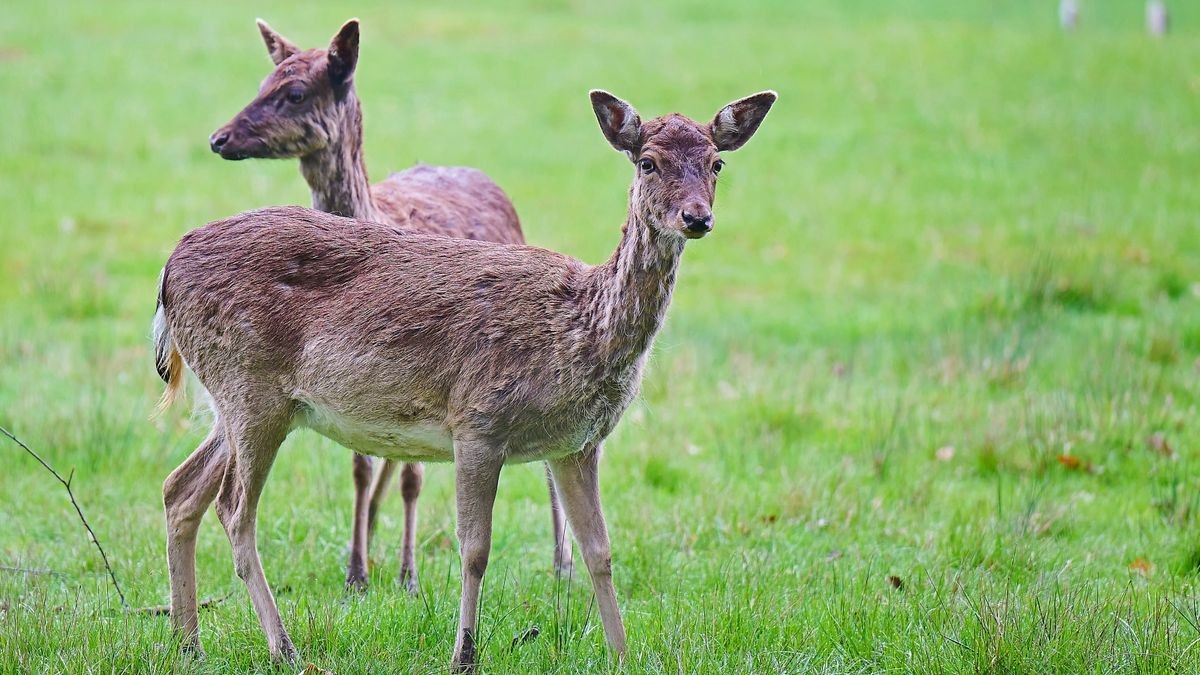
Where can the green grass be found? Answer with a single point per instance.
(962, 248)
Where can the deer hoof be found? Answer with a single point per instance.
(286, 654)
(464, 659)
(193, 649)
(408, 581)
(356, 582)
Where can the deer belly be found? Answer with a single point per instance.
(423, 441)
(547, 442)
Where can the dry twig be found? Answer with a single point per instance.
(67, 484)
(24, 570)
(164, 610)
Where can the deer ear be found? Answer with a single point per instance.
(343, 53)
(279, 47)
(619, 122)
(737, 122)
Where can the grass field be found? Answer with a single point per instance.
(926, 400)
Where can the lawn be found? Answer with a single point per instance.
(926, 400)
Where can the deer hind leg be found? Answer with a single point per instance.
(378, 492)
(356, 566)
(187, 493)
(477, 472)
(563, 564)
(411, 478)
(578, 482)
(252, 451)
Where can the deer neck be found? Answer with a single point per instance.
(633, 290)
(336, 174)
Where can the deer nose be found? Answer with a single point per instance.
(218, 139)
(699, 222)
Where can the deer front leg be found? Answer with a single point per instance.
(187, 493)
(477, 471)
(563, 564)
(252, 452)
(356, 566)
(578, 481)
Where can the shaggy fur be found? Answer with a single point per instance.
(418, 347)
(308, 108)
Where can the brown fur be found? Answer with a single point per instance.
(324, 129)
(367, 332)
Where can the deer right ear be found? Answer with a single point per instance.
(279, 47)
(619, 121)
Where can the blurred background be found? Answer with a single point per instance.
(926, 399)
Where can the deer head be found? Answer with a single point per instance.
(303, 104)
(678, 159)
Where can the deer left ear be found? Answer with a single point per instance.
(737, 122)
(343, 53)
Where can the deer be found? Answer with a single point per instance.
(414, 347)
(308, 108)
(1158, 20)
(1068, 14)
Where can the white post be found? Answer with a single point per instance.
(1068, 14)
(1157, 20)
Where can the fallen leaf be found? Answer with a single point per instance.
(1141, 566)
(1073, 463)
(1137, 254)
(1159, 445)
(896, 582)
(1070, 461)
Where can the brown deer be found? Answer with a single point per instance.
(424, 348)
(308, 108)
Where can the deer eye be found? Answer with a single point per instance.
(717, 166)
(295, 96)
(646, 165)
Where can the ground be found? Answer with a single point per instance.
(926, 399)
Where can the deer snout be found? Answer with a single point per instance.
(229, 143)
(697, 221)
(218, 140)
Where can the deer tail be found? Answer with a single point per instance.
(167, 359)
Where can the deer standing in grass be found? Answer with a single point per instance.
(308, 108)
(422, 348)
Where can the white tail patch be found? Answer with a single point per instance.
(167, 359)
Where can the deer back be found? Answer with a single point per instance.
(382, 324)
